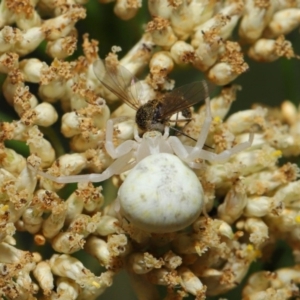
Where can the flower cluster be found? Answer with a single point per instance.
(249, 202)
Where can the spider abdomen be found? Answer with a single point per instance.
(161, 194)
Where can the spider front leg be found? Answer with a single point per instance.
(186, 153)
(122, 149)
(189, 154)
(118, 166)
(198, 151)
(224, 155)
(204, 130)
(122, 154)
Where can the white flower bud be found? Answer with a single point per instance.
(32, 220)
(67, 288)
(138, 56)
(55, 221)
(27, 179)
(163, 276)
(172, 260)
(68, 242)
(289, 193)
(16, 88)
(235, 201)
(6, 16)
(30, 41)
(99, 249)
(44, 276)
(160, 8)
(71, 163)
(46, 114)
(107, 225)
(231, 13)
(124, 130)
(126, 10)
(70, 124)
(191, 283)
(223, 73)
(87, 140)
(255, 19)
(231, 64)
(283, 22)
(161, 63)
(242, 121)
(8, 37)
(62, 25)
(220, 24)
(11, 161)
(8, 61)
(182, 52)
(52, 91)
(161, 194)
(221, 104)
(27, 18)
(146, 92)
(258, 230)
(258, 206)
(74, 207)
(187, 15)
(23, 103)
(70, 267)
(226, 230)
(31, 68)
(40, 146)
(289, 112)
(61, 48)
(68, 164)
(10, 254)
(207, 53)
(265, 50)
(142, 263)
(257, 160)
(288, 275)
(161, 32)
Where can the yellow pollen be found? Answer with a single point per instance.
(217, 119)
(4, 208)
(277, 153)
(258, 253)
(297, 219)
(96, 284)
(250, 247)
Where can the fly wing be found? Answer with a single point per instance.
(120, 82)
(184, 97)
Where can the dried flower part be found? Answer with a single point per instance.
(127, 9)
(279, 25)
(269, 50)
(258, 15)
(62, 48)
(161, 32)
(155, 231)
(44, 276)
(282, 284)
(230, 66)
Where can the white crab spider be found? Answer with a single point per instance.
(160, 193)
(153, 142)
